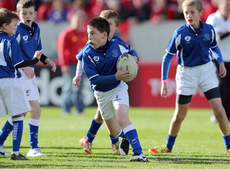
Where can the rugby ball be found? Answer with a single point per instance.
(128, 63)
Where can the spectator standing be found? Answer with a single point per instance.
(70, 42)
(58, 11)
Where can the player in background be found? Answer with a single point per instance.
(70, 42)
(114, 21)
(12, 97)
(193, 43)
(28, 37)
(110, 91)
(220, 20)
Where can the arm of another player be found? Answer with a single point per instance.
(77, 77)
(26, 63)
(28, 70)
(46, 60)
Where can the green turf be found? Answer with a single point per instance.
(199, 144)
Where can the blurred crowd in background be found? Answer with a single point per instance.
(132, 11)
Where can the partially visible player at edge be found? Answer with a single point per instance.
(194, 43)
(114, 21)
(28, 37)
(12, 98)
(110, 91)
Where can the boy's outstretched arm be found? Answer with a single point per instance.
(77, 77)
(45, 60)
(52, 64)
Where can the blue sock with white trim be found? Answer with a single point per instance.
(170, 141)
(227, 142)
(7, 128)
(33, 131)
(17, 132)
(131, 134)
(114, 139)
(93, 131)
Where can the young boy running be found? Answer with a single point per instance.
(28, 37)
(12, 98)
(110, 91)
(194, 42)
(86, 142)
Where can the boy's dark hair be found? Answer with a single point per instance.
(25, 4)
(6, 16)
(111, 14)
(101, 24)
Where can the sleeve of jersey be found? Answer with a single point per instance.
(89, 67)
(79, 69)
(217, 54)
(213, 42)
(39, 47)
(165, 65)
(80, 55)
(102, 80)
(132, 52)
(93, 75)
(173, 44)
(16, 54)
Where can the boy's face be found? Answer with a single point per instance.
(11, 28)
(112, 27)
(192, 15)
(27, 15)
(96, 39)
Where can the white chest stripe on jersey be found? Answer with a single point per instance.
(178, 41)
(18, 38)
(2, 58)
(123, 50)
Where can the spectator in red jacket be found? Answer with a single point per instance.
(70, 42)
(8, 4)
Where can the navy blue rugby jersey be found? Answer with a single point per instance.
(115, 37)
(10, 56)
(193, 46)
(102, 62)
(29, 40)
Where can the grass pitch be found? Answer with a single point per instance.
(198, 145)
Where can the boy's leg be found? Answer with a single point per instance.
(122, 112)
(178, 117)
(115, 131)
(95, 125)
(34, 121)
(221, 117)
(86, 141)
(17, 137)
(6, 130)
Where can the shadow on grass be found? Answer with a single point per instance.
(189, 159)
(63, 157)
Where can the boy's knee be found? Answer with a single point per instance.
(180, 117)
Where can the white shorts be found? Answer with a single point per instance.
(30, 87)
(188, 79)
(12, 97)
(106, 100)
